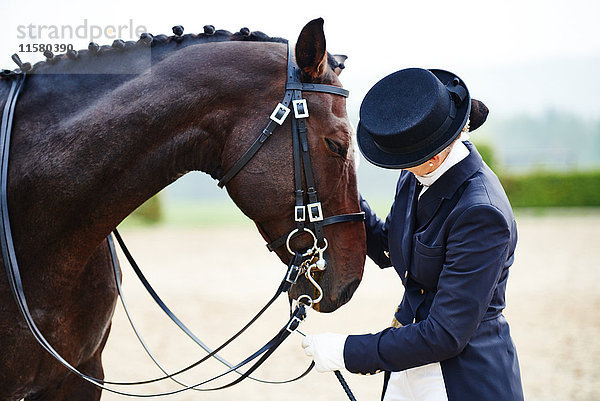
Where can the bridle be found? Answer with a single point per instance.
(305, 215)
(300, 262)
(310, 214)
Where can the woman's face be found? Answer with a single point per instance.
(431, 164)
(422, 169)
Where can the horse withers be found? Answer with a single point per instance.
(89, 148)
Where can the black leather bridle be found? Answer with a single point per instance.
(310, 214)
(300, 262)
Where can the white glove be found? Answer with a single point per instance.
(327, 350)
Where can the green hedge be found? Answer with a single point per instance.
(488, 155)
(149, 212)
(549, 189)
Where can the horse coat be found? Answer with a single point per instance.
(452, 251)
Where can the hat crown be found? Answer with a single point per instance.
(411, 115)
(418, 104)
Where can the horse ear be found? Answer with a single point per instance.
(338, 61)
(311, 55)
(478, 115)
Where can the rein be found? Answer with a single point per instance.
(300, 262)
(287, 282)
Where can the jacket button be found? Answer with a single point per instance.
(387, 254)
(422, 291)
(406, 274)
(414, 320)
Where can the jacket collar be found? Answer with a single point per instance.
(446, 186)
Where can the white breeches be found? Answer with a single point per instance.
(423, 383)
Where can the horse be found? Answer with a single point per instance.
(97, 132)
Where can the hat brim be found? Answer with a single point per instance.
(378, 157)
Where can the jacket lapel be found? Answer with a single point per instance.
(426, 209)
(445, 187)
(409, 220)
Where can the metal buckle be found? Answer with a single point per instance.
(293, 274)
(315, 212)
(296, 320)
(300, 108)
(265, 135)
(299, 213)
(280, 113)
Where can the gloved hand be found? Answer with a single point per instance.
(327, 350)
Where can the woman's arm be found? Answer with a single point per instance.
(476, 252)
(377, 235)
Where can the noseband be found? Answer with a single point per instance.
(313, 210)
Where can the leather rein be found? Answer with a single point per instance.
(300, 262)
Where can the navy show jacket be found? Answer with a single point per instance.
(452, 250)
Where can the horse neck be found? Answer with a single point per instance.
(80, 176)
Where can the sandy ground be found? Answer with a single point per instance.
(216, 279)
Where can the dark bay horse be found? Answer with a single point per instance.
(98, 132)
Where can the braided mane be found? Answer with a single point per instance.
(159, 43)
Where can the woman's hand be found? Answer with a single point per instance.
(327, 350)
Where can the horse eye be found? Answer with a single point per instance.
(336, 147)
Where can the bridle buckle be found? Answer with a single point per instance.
(293, 324)
(299, 213)
(280, 113)
(293, 274)
(300, 108)
(315, 212)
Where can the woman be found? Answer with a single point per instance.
(450, 236)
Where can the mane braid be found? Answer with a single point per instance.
(209, 35)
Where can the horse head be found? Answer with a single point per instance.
(264, 188)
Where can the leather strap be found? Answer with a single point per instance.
(298, 187)
(254, 148)
(307, 87)
(340, 218)
(8, 249)
(283, 287)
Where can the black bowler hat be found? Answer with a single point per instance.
(411, 115)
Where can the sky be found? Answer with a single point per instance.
(518, 56)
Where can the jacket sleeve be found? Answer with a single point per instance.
(377, 235)
(476, 250)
